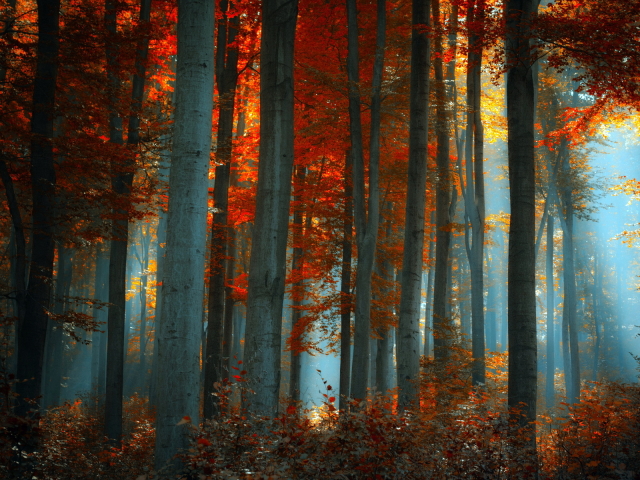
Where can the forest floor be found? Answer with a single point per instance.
(456, 434)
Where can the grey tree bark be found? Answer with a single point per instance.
(569, 313)
(54, 350)
(551, 341)
(32, 332)
(297, 292)
(408, 341)
(597, 296)
(428, 313)
(366, 214)
(474, 196)
(346, 305)
(384, 350)
(19, 262)
(269, 241)
(442, 324)
(121, 182)
(227, 80)
(522, 377)
(178, 331)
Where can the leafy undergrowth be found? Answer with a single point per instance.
(456, 434)
(73, 446)
(464, 436)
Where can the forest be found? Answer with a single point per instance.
(319, 239)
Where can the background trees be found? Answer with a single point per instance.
(302, 113)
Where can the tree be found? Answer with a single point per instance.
(408, 325)
(366, 214)
(522, 380)
(445, 206)
(32, 331)
(474, 195)
(122, 181)
(227, 80)
(178, 363)
(269, 239)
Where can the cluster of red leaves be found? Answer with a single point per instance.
(74, 447)
(602, 38)
(599, 437)
(457, 434)
(369, 441)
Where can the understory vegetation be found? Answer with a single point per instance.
(457, 433)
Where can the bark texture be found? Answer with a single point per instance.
(269, 240)
(474, 197)
(411, 278)
(442, 325)
(178, 363)
(346, 304)
(522, 379)
(32, 332)
(227, 80)
(551, 341)
(366, 214)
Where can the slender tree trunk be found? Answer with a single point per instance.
(19, 264)
(491, 332)
(55, 339)
(142, 375)
(522, 379)
(596, 296)
(474, 198)
(411, 279)
(32, 332)
(269, 241)
(345, 287)
(442, 324)
(100, 315)
(366, 219)
(297, 293)
(384, 356)
(550, 393)
(428, 314)
(121, 182)
(569, 309)
(178, 331)
(227, 80)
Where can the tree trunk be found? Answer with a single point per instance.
(384, 357)
(474, 198)
(121, 182)
(522, 378)
(365, 219)
(297, 292)
(411, 279)
(269, 241)
(178, 331)
(227, 80)
(55, 331)
(428, 313)
(32, 332)
(345, 287)
(100, 315)
(596, 296)
(442, 324)
(19, 264)
(572, 369)
(550, 393)
(491, 332)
